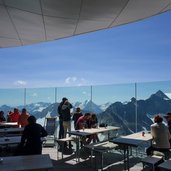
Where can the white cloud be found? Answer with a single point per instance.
(86, 94)
(74, 81)
(20, 83)
(70, 80)
(34, 95)
(49, 98)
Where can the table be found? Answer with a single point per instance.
(81, 133)
(8, 123)
(30, 162)
(132, 140)
(166, 165)
(6, 142)
(10, 140)
(91, 131)
(6, 131)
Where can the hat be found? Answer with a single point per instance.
(168, 115)
(64, 99)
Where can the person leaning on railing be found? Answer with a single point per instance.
(161, 136)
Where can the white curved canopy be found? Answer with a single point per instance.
(24, 22)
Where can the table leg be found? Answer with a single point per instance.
(126, 157)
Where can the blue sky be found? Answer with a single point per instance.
(137, 52)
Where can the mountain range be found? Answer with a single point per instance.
(118, 113)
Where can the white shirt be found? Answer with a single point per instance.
(161, 135)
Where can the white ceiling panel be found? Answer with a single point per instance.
(85, 26)
(101, 9)
(138, 10)
(58, 28)
(29, 25)
(61, 8)
(6, 26)
(167, 8)
(25, 5)
(5, 42)
(33, 21)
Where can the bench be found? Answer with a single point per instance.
(61, 143)
(100, 148)
(152, 161)
(166, 155)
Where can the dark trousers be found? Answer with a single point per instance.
(61, 129)
(150, 150)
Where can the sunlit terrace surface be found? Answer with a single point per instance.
(112, 161)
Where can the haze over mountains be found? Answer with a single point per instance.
(118, 114)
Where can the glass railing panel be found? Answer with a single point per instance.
(10, 99)
(40, 102)
(78, 96)
(153, 98)
(117, 104)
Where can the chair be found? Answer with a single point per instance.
(50, 127)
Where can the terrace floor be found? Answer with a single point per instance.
(112, 162)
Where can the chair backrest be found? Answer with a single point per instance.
(50, 125)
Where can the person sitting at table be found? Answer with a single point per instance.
(23, 118)
(76, 116)
(92, 123)
(2, 118)
(168, 119)
(13, 117)
(161, 136)
(82, 123)
(31, 142)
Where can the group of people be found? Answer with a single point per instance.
(161, 134)
(16, 116)
(88, 120)
(31, 142)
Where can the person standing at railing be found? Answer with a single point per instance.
(66, 116)
(61, 127)
(22, 120)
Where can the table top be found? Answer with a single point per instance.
(8, 123)
(138, 136)
(6, 130)
(10, 140)
(135, 139)
(91, 131)
(30, 162)
(165, 165)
